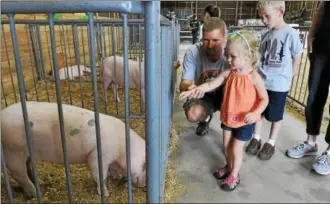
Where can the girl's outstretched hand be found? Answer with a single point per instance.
(185, 94)
(192, 93)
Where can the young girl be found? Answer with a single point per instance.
(245, 98)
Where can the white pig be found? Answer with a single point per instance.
(80, 134)
(71, 72)
(136, 79)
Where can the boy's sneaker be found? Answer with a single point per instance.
(322, 165)
(253, 146)
(230, 183)
(301, 149)
(266, 152)
(221, 173)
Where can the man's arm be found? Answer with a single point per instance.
(184, 85)
(188, 70)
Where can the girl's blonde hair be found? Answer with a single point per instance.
(249, 42)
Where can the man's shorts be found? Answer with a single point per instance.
(211, 101)
(275, 109)
(243, 133)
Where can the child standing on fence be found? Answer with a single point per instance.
(280, 50)
(245, 98)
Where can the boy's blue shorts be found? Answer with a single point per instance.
(275, 109)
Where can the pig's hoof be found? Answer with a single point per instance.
(106, 193)
(31, 194)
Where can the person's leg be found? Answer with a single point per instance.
(200, 111)
(214, 101)
(322, 164)
(255, 144)
(227, 139)
(240, 137)
(318, 87)
(275, 116)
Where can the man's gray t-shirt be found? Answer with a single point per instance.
(277, 47)
(198, 68)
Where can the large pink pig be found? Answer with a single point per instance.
(110, 75)
(80, 136)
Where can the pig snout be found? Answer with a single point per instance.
(140, 178)
(140, 181)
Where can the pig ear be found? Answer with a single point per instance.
(87, 73)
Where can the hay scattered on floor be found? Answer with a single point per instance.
(52, 177)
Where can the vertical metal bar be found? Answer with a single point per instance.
(21, 86)
(162, 104)
(96, 104)
(114, 37)
(42, 58)
(127, 107)
(104, 52)
(59, 106)
(166, 100)
(4, 94)
(65, 35)
(109, 37)
(83, 44)
(49, 53)
(36, 51)
(27, 27)
(152, 52)
(5, 173)
(99, 40)
(37, 54)
(140, 67)
(10, 71)
(77, 58)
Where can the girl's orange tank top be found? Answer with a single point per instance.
(240, 97)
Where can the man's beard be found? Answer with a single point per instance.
(211, 52)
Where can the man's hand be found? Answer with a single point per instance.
(309, 44)
(176, 64)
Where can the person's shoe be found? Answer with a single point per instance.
(203, 127)
(230, 183)
(221, 173)
(322, 165)
(301, 149)
(253, 146)
(266, 152)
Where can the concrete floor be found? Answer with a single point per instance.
(280, 179)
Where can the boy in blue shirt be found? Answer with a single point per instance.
(280, 50)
